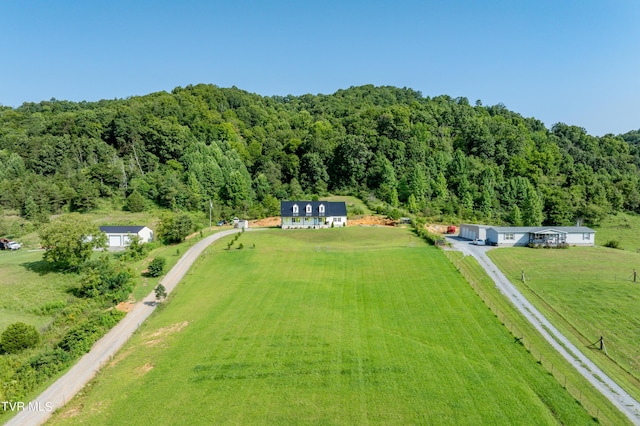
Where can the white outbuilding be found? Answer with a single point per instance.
(120, 236)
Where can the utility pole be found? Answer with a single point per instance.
(210, 208)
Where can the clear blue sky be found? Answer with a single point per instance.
(571, 61)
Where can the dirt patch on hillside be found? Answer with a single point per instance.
(151, 339)
(439, 229)
(77, 410)
(125, 306)
(158, 336)
(265, 223)
(141, 371)
(371, 221)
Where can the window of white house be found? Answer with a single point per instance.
(295, 209)
(337, 219)
(586, 236)
(508, 237)
(308, 208)
(321, 209)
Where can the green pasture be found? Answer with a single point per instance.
(621, 227)
(353, 203)
(337, 326)
(27, 287)
(588, 293)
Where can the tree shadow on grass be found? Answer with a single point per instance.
(42, 267)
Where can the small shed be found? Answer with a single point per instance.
(120, 236)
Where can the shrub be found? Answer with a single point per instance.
(156, 267)
(106, 281)
(49, 362)
(136, 249)
(615, 244)
(19, 336)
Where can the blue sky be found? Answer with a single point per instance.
(571, 61)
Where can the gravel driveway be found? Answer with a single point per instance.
(610, 389)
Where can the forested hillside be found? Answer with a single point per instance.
(245, 152)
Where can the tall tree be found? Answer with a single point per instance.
(70, 240)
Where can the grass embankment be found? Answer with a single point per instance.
(620, 228)
(596, 404)
(339, 326)
(587, 293)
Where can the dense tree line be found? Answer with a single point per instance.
(245, 152)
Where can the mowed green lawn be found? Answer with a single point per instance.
(336, 326)
(592, 291)
(27, 289)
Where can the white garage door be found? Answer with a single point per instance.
(115, 241)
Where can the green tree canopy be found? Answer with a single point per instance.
(70, 240)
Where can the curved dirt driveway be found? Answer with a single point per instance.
(63, 389)
(610, 389)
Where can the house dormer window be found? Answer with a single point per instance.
(321, 209)
(308, 208)
(295, 209)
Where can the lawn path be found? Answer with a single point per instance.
(601, 381)
(62, 390)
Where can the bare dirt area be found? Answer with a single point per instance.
(157, 336)
(144, 369)
(125, 306)
(436, 229)
(371, 221)
(265, 223)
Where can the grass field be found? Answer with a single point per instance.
(26, 288)
(339, 326)
(621, 227)
(588, 293)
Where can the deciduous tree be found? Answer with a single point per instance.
(70, 240)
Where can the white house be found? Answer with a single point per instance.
(523, 235)
(312, 214)
(120, 236)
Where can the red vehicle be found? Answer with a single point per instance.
(451, 229)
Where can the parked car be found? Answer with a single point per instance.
(14, 246)
(479, 242)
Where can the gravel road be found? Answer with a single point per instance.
(55, 396)
(610, 389)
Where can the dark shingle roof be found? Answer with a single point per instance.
(121, 229)
(331, 208)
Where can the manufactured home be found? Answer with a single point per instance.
(524, 235)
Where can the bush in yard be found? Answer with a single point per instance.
(104, 280)
(19, 336)
(156, 267)
(615, 244)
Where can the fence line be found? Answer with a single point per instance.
(526, 341)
